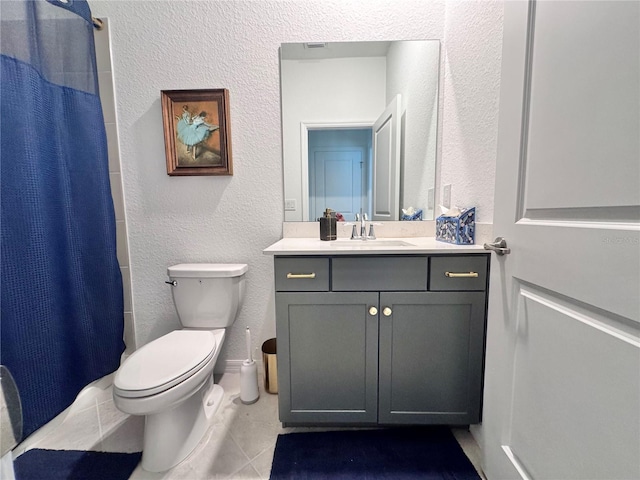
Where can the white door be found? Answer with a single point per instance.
(562, 384)
(336, 180)
(386, 163)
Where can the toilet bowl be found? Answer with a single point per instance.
(164, 372)
(170, 380)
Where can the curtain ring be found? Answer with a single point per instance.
(97, 23)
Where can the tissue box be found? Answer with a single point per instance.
(460, 230)
(416, 215)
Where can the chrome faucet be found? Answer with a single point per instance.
(363, 225)
(354, 229)
(362, 219)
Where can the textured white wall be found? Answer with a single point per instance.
(162, 45)
(472, 48)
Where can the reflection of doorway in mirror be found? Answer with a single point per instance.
(339, 171)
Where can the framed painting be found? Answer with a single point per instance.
(197, 135)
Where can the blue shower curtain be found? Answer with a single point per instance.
(61, 289)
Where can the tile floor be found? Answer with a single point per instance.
(238, 445)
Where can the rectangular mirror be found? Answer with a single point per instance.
(359, 127)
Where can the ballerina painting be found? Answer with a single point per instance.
(197, 135)
(193, 130)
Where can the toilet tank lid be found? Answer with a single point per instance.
(207, 270)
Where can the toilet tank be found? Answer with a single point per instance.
(207, 295)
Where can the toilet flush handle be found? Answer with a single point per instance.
(173, 283)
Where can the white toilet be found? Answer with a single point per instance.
(170, 380)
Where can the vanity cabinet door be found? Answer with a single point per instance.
(431, 357)
(327, 357)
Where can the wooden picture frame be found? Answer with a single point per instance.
(197, 135)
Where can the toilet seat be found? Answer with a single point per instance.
(164, 363)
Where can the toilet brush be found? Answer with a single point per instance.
(249, 392)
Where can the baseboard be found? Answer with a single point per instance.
(233, 366)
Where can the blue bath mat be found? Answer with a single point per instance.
(399, 453)
(40, 464)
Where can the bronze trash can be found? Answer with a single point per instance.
(270, 362)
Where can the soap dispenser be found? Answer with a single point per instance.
(328, 226)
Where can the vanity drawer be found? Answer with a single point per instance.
(459, 272)
(403, 273)
(302, 274)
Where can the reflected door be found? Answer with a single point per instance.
(339, 166)
(335, 181)
(386, 163)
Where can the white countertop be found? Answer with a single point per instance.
(411, 245)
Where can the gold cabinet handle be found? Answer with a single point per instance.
(386, 311)
(373, 311)
(461, 275)
(301, 275)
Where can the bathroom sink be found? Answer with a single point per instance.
(369, 243)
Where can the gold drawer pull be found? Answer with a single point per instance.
(461, 275)
(301, 275)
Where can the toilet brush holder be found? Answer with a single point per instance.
(249, 392)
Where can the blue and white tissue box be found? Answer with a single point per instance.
(459, 229)
(411, 214)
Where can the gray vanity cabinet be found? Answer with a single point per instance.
(380, 339)
(327, 357)
(430, 357)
